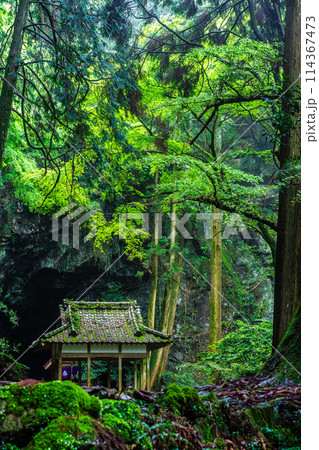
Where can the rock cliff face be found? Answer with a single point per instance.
(37, 273)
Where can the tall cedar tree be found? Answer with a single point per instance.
(11, 74)
(288, 254)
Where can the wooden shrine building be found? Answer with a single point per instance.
(102, 331)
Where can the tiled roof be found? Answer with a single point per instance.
(104, 322)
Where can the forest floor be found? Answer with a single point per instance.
(242, 413)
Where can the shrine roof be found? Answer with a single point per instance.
(104, 322)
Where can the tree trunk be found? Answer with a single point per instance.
(11, 74)
(288, 257)
(154, 274)
(215, 298)
(174, 289)
(286, 364)
(159, 357)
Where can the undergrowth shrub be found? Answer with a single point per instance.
(125, 419)
(241, 352)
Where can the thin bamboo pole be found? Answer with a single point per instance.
(80, 372)
(135, 374)
(109, 374)
(148, 379)
(89, 366)
(120, 368)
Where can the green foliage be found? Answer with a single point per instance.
(125, 419)
(284, 431)
(9, 447)
(126, 224)
(240, 287)
(215, 422)
(61, 415)
(189, 374)
(7, 353)
(121, 409)
(290, 175)
(9, 313)
(280, 438)
(133, 121)
(26, 410)
(243, 351)
(119, 426)
(114, 293)
(168, 435)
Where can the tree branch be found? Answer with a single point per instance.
(154, 16)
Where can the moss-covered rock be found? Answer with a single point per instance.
(65, 432)
(262, 416)
(60, 397)
(25, 410)
(183, 400)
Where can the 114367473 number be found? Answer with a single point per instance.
(310, 49)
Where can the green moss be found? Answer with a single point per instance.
(290, 349)
(26, 410)
(183, 400)
(29, 420)
(262, 416)
(64, 397)
(65, 433)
